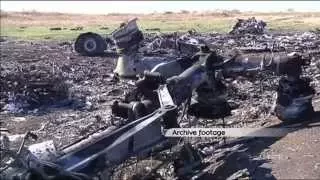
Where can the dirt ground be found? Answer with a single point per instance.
(95, 83)
(296, 156)
(93, 89)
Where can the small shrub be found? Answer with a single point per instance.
(290, 10)
(168, 12)
(184, 12)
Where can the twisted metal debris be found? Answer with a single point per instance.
(249, 26)
(97, 86)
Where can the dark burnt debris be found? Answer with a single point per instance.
(31, 89)
(259, 76)
(249, 26)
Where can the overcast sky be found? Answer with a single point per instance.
(104, 7)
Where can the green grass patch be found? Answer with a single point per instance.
(43, 33)
(200, 25)
(290, 25)
(220, 25)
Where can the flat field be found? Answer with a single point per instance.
(36, 25)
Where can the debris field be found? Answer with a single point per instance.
(48, 88)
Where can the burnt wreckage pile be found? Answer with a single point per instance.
(31, 89)
(294, 93)
(168, 83)
(250, 26)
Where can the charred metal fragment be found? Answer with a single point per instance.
(251, 26)
(132, 110)
(187, 161)
(150, 81)
(209, 102)
(294, 99)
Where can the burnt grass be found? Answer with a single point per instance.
(64, 96)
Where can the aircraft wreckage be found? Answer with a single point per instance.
(165, 84)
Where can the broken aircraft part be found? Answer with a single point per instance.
(91, 44)
(131, 62)
(188, 160)
(294, 99)
(206, 68)
(251, 26)
(104, 150)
